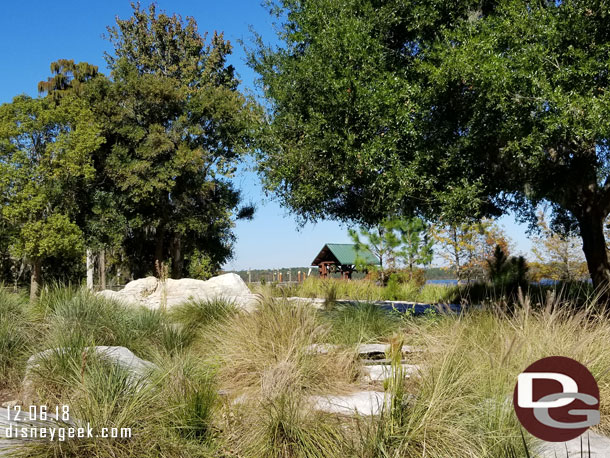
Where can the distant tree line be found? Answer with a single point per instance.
(470, 251)
(131, 169)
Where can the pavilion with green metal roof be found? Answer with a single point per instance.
(341, 258)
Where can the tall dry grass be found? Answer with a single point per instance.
(463, 401)
(267, 352)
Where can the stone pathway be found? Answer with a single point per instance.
(376, 369)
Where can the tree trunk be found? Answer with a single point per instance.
(102, 261)
(159, 249)
(90, 269)
(594, 248)
(177, 258)
(20, 273)
(35, 279)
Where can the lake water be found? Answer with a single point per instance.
(453, 282)
(446, 282)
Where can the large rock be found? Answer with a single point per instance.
(123, 357)
(13, 423)
(151, 293)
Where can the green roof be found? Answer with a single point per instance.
(344, 254)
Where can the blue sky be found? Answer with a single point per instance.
(35, 33)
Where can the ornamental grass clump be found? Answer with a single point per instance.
(462, 403)
(15, 337)
(196, 314)
(360, 323)
(275, 343)
(168, 411)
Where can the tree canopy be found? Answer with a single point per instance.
(178, 127)
(443, 109)
(138, 163)
(45, 160)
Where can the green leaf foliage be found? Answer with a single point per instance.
(395, 242)
(177, 127)
(137, 164)
(345, 93)
(443, 109)
(45, 160)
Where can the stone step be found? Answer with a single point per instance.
(367, 403)
(381, 372)
(377, 362)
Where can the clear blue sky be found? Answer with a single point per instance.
(35, 33)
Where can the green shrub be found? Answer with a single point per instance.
(13, 350)
(201, 266)
(196, 314)
(16, 334)
(392, 290)
(287, 427)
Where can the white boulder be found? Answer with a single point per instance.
(152, 293)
